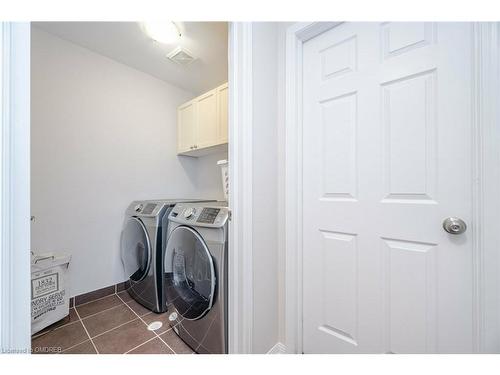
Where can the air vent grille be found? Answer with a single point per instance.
(181, 56)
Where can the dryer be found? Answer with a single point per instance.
(143, 242)
(196, 274)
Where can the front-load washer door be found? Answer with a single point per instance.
(190, 273)
(136, 250)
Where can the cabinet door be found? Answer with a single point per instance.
(222, 113)
(186, 127)
(207, 119)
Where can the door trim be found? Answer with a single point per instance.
(15, 295)
(486, 180)
(240, 262)
(486, 184)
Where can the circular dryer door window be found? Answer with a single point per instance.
(190, 273)
(136, 250)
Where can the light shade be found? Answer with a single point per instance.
(163, 32)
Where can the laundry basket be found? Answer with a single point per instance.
(49, 289)
(223, 164)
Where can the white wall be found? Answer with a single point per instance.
(265, 188)
(102, 135)
(208, 175)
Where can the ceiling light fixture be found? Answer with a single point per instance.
(165, 32)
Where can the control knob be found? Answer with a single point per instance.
(189, 212)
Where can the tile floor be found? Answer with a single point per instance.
(114, 324)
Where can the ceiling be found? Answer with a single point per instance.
(126, 43)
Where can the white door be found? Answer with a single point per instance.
(387, 157)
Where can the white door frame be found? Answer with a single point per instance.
(15, 295)
(486, 182)
(240, 267)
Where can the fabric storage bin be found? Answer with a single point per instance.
(49, 289)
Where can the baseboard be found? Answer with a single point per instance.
(278, 348)
(98, 294)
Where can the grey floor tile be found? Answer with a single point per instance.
(125, 296)
(124, 338)
(108, 319)
(177, 345)
(83, 348)
(60, 339)
(155, 346)
(138, 308)
(98, 306)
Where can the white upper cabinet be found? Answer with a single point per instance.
(186, 126)
(202, 123)
(222, 112)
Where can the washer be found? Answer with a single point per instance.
(143, 248)
(196, 275)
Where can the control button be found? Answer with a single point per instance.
(138, 208)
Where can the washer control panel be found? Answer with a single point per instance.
(208, 215)
(195, 214)
(145, 208)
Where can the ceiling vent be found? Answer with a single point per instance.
(181, 56)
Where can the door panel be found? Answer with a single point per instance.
(222, 112)
(186, 128)
(410, 294)
(386, 157)
(207, 119)
(135, 250)
(189, 273)
(409, 128)
(339, 252)
(339, 145)
(399, 37)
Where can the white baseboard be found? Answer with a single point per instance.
(278, 348)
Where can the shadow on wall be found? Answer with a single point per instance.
(189, 165)
(205, 174)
